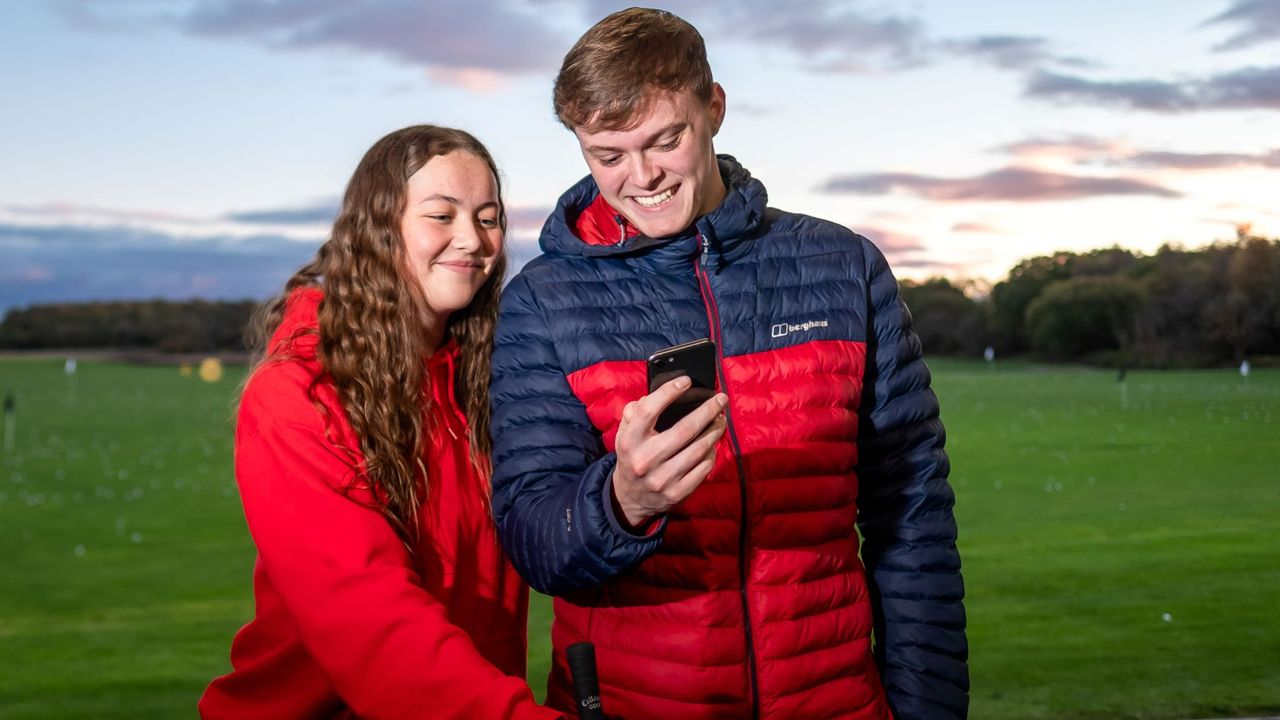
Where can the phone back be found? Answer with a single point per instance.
(695, 359)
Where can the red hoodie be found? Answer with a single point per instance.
(348, 624)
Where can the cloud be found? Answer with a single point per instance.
(891, 242)
(1258, 22)
(1012, 183)
(298, 223)
(479, 44)
(827, 35)
(322, 212)
(830, 36)
(74, 263)
(1237, 207)
(905, 251)
(1012, 52)
(1083, 149)
(1202, 161)
(1072, 149)
(476, 80)
(979, 228)
(459, 41)
(1252, 88)
(932, 265)
(64, 212)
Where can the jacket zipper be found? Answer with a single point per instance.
(713, 318)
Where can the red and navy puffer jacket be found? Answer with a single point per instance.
(752, 598)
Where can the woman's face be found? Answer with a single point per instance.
(451, 231)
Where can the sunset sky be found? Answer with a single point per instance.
(185, 148)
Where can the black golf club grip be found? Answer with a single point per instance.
(586, 686)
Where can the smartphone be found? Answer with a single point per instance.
(696, 359)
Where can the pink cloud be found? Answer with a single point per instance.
(891, 242)
(1016, 184)
(980, 228)
(476, 80)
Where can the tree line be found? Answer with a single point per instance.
(1173, 308)
(190, 326)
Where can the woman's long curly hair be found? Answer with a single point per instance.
(371, 320)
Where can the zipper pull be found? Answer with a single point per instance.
(622, 228)
(706, 250)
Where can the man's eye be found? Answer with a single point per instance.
(668, 147)
(611, 160)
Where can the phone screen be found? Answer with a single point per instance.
(695, 359)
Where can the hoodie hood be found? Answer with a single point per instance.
(298, 334)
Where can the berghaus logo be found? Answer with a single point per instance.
(785, 329)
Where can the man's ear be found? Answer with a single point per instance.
(717, 107)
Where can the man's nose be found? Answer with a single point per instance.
(644, 172)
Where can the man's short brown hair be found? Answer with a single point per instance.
(609, 76)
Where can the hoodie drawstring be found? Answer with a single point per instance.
(445, 397)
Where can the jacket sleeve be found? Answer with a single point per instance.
(346, 579)
(905, 515)
(551, 476)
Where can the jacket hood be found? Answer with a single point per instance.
(298, 337)
(298, 334)
(736, 219)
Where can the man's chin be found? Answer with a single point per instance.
(658, 229)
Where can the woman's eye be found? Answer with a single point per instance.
(489, 222)
(439, 218)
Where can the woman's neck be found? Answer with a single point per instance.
(433, 331)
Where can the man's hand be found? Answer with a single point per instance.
(656, 470)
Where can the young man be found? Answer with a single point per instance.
(715, 565)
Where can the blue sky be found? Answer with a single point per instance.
(185, 148)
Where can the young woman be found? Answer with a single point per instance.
(362, 459)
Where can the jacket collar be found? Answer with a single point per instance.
(583, 224)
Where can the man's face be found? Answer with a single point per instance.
(661, 174)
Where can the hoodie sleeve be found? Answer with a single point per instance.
(905, 515)
(384, 642)
(551, 476)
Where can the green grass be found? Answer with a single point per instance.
(1119, 541)
(1084, 521)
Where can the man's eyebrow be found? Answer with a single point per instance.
(672, 128)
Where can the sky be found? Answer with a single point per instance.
(197, 148)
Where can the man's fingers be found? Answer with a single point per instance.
(654, 403)
(655, 464)
(673, 439)
(684, 486)
(640, 416)
(695, 422)
(665, 478)
(697, 450)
